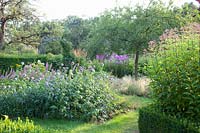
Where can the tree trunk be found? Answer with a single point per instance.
(136, 64)
(2, 31)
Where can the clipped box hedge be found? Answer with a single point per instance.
(153, 121)
(13, 61)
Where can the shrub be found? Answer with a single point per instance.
(153, 120)
(118, 65)
(15, 61)
(142, 64)
(119, 70)
(175, 75)
(121, 65)
(18, 126)
(81, 94)
(18, 48)
(10, 86)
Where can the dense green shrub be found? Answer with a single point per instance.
(153, 120)
(82, 94)
(15, 61)
(127, 68)
(119, 70)
(142, 64)
(175, 74)
(10, 86)
(118, 65)
(18, 126)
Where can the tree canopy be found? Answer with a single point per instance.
(13, 11)
(128, 29)
(123, 30)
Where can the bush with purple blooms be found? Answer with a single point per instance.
(38, 91)
(118, 65)
(113, 58)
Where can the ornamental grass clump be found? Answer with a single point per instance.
(129, 86)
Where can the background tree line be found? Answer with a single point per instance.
(123, 30)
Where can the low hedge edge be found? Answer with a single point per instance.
(151, 120)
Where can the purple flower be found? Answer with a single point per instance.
(118, 58)
(100, 57)
(113, 58)
(121, 58)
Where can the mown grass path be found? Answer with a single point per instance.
(123, 123)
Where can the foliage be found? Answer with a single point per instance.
(118, 65)
(82, 94)
(153, 120)
(18, 126)
(128, 86)
(13, 11)
(44, 37)
(11, 86)
(142, 64)
(75, 30)
(50, 33)
(19, 48)
(121, 65)
(128, 30)
(15, 61)
(119, 70)
(174, 71)
(22, 35)
(189, 11)
(125, 122)
(66, 48)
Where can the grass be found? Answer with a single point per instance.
(129, 86)
(123, 123)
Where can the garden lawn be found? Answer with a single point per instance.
(123, 123)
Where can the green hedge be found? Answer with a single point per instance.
(126, 68)
(119, 70)
(14, 61)
(151, 120)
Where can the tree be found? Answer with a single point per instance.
(76, 30)
(130, 29)
(27, 33)
(51, 33)
(13, 10)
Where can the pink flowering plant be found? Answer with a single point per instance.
(174, 72)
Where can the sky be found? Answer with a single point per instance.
(60, 9)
